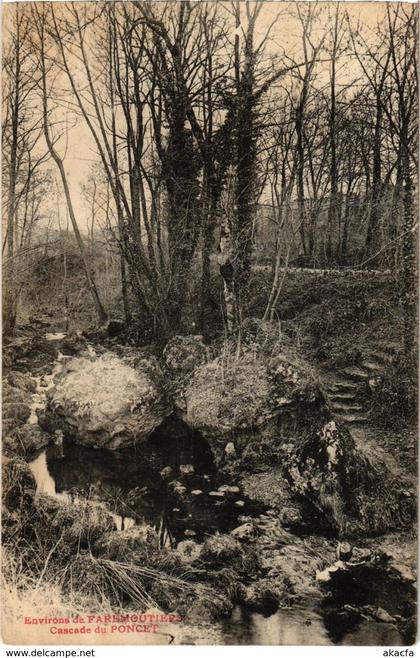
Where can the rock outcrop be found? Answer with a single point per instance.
(375, 587)
(23, 381)
(345, 487)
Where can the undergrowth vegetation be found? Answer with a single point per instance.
(395, 399)
(330, 316)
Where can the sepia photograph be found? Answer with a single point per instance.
(209, 322)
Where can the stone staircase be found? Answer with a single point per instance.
(347, 390)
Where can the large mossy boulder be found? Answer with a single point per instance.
(107, 401)
(255, 390)
(14, 395)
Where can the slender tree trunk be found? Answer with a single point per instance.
(270, 308)
(124, 290)
(332, 208)
(374, 214)
(246, 183)
(9, 314)
(227, 258)
(408, 268)
(394, 221)
(102, 315)
(344, 237)
(280, 284)
(9, 285)
(311, 228)
(209, 225)
(300, 182)
(206, 271)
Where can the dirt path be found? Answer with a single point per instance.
(324, 272)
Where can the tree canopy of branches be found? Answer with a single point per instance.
(24, 180)
(195, 116)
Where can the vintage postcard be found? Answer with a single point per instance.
(209, 385)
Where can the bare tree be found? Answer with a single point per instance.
(394, 82)
(46, 69)
(375, 64)
(282, 175)
(23, 156)
(401, 110)
(184, 116)
(335, 49)
(301, 98)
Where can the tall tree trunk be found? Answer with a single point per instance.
(209, 225)
(300, 172)
(246, 134)
(374, 214)
(408, 266)
(332, 208)
(10, 284)
(102, 315)
(246, 183)
(227, 258)
(394, 220)
(9, 311)
(181, 171)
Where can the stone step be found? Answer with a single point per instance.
(390, 348)
(373, 366)
(346, 408)
(355, 373)
(354, 418)
(383, 359)
(342, 396)
(342, 385)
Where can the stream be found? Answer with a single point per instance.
(170, 483)
(114, 479)
(164, 481)
(302, 626)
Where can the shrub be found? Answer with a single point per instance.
(394, 400)
(18, 484)
(78, 523)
